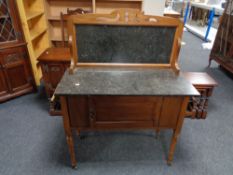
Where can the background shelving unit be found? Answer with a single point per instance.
(34, 23)
(55, 7)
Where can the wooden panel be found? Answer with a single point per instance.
(78, 111)
(114, 111)
(56, 72)
(120, 108)
(16, 69)
(170, 111)
(123, 125)
(21, 80)
(120, 19)
(108, 6)
(3, 84)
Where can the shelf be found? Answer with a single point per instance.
(39, 53)
(200, 31)
(55, 7)
(56, 38)
(34, 34)
(31, 15)
(54, 18)
(40, 45)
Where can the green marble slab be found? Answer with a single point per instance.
(112, 81)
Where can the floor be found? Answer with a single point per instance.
(32, 142)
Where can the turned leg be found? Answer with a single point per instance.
(70, 142)
(172, 148)
(68, 132)
(176, 131)
(157, 130)
(78, 133)
(209, 62)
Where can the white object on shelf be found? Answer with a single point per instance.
(171, 11)
(153, 7)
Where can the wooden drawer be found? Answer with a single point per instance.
(120, 108)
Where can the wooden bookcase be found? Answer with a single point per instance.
(55, 7)
(34, 23)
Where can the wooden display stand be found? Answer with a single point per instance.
(222, 51)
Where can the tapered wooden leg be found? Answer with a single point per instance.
(172, 148)
(157, 130)
(209, 62)
(78, 132)
(176, 132)
(68, 132)
(70, 142)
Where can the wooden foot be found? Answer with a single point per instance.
(74, 167)
(209, 62)
(157, 131)
(68, 131)
(78, 133)
(169, 163)
(70, 143)
(172, 148)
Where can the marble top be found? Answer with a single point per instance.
(115, 81)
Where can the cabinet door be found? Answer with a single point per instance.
(3, 84)
(52, 74)
(56, 72)
(114, 111)
(16, 69)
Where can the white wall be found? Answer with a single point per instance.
(153, 7)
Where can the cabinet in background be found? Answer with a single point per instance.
(15, 70)
(53, 63)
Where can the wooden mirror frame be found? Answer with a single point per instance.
(125, 17)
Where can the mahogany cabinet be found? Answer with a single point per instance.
(15, 70)
(53, 63)
(222, 51)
